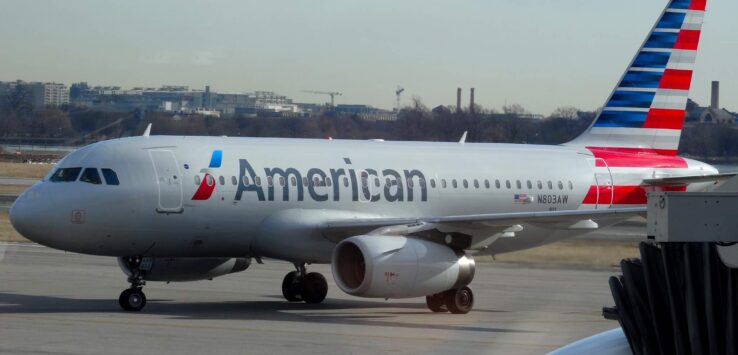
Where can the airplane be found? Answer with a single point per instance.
(393, 219)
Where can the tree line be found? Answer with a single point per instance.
(80, 125)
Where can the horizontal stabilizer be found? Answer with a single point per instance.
(686, 180)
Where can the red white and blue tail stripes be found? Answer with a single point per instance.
(646, 110)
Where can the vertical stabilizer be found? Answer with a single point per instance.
(645, 112)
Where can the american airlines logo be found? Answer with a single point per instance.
(207, 186)
(323, 185)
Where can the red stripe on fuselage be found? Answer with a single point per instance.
(637, 157)
(623, 195)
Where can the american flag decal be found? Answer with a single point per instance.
(522, 199)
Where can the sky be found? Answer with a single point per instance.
(541, 54)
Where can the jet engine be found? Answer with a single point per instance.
(398, 267)
(185, 269)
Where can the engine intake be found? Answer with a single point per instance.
(398, 267)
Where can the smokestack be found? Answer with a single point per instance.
(458, 99)
(715, 102)
(471, 100)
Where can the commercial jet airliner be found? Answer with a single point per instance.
(394, 219)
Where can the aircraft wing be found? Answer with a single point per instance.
(474, 231)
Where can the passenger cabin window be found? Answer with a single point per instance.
(540, 185)
(245, 180)
(443, 183)
(91, 176)
(433, 183)
(561, 185)
(111, 178)
(453, 182)
(234, 181)
(221, 179)
(65, 175)
(518, 184)
(197, 180)
(571, 186)
(507, 184)
(529, 184)
(497, 184)
(550, 185)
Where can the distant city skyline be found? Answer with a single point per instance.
(541, 54)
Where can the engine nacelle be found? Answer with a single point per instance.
(398, 267)
(186, 269)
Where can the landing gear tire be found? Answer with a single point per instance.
(302, 286)
(436, 303)
(460, 300)
(314, 288)
(132, 300)
(291, 287)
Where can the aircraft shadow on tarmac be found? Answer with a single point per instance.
(359, 312)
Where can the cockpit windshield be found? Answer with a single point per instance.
(91, 176)
(65, 175)
(111, 178)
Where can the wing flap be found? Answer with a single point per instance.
(476, 227)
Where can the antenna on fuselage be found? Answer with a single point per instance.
(463, 138)
(147, 132)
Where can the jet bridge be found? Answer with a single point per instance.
(680, 296)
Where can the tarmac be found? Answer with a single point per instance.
(57, 302)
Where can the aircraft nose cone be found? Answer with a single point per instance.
(26, 215)
(20, 217)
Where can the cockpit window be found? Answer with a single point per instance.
(90, 175)
(111, 178)
(65, 175)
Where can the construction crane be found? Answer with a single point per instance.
(332, 94)
(398, 92)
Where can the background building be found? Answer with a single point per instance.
(37, 94)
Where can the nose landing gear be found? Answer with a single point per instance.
(133, 299)
(302, 286)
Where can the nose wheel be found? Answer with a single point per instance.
(302, 286)
(133, 299)
(457, 301)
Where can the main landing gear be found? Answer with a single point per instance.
(457, 301)
(302, 286)
(133, 299)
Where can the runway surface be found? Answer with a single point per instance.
(56, 302)
(4, 180)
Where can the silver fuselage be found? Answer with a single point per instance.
(154, 210)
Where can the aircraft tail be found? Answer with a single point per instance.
(645, 112)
